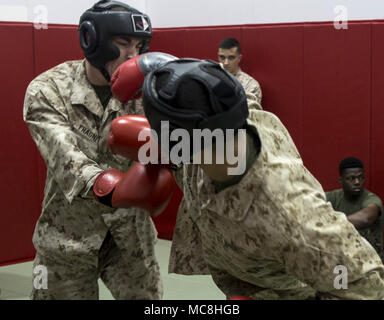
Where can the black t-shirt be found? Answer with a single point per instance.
(104, 93)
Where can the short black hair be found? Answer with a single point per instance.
(229, 43)
(350, 162)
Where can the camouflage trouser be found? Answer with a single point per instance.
(232, 286)
(77, 278)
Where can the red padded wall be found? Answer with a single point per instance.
(376, 144)
(55, 45)
(273, 55)
(202, 43)
(324, 84)
(337, 105)
(18, 160)
(171, 41)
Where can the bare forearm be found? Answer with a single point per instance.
(365, 217)
(358, 221)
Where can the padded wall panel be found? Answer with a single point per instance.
(273, 56)
(18, 158)
(55, 45)
(202, 43)
(336, 121)
(170, 41)
(377, 133)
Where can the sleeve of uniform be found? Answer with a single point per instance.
(186, 256)
(252, 102)
(178, 175)
(45, 115)
(330, 197)
(253, 91)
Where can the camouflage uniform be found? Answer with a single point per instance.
(77, 238)
(251, 87)
(273, 235)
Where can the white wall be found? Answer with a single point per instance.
(52, 11)
(182, 13)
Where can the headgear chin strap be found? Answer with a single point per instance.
(227, 97)
(99, 24)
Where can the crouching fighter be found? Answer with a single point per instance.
(266, 232)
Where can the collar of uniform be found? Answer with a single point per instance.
(238, 72)
(114, 104)
(83, 93)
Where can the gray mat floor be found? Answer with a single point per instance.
(16, 281)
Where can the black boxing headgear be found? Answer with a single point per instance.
(99, 24)
(226, 96)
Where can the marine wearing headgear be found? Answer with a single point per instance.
(99, 24)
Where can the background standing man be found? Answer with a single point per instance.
(229, 55)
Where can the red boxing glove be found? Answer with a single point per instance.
(123, 138)
(128, 78)
(149, 187)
